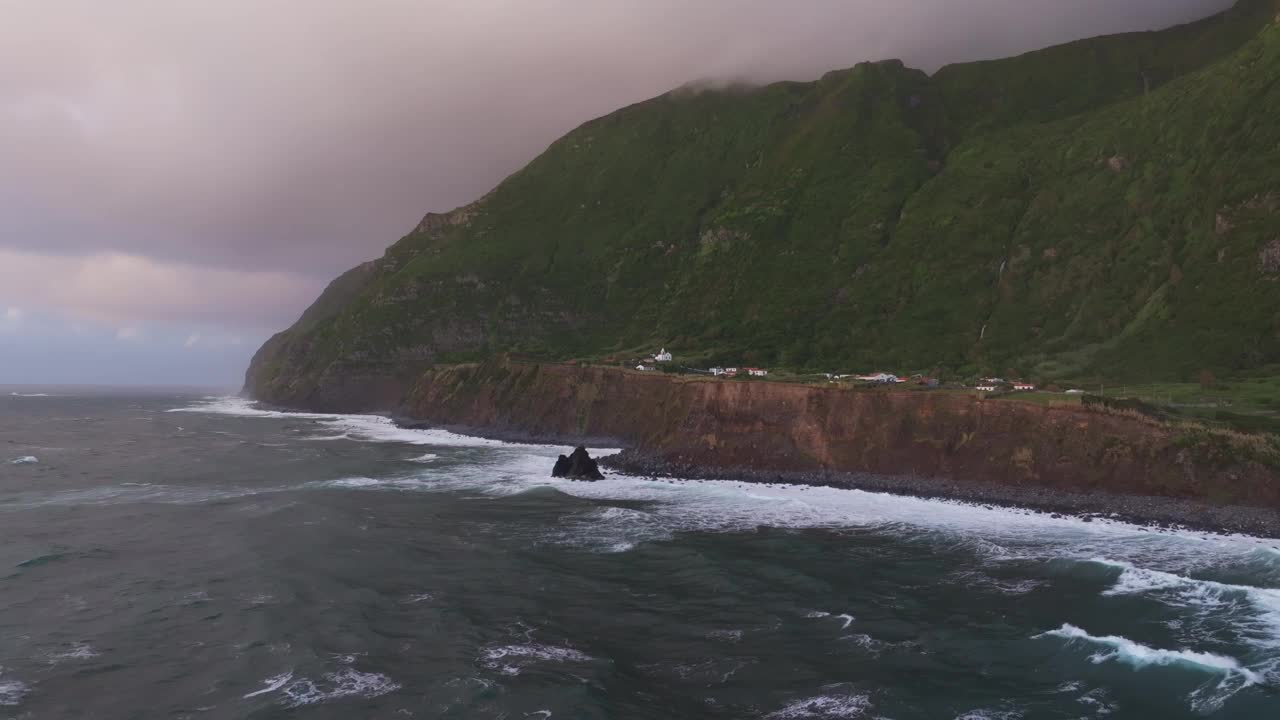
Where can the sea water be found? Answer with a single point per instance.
(169, 556)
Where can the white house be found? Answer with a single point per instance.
(717, 371)
(1024, 386)
(663, 356)
(985, 388)
(1075, 391)
(757, 372)
(880, 377)
(642, 367)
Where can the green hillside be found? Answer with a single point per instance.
(1104, 208)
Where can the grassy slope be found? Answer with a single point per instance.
(1049, 215)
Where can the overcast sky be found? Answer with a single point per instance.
(179, 179)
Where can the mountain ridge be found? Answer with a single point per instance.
(954, 223)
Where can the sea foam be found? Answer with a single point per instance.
(24, 460)
(512, 659)
(77, 651)
(824, 706)
(11, 691)
(347, 682)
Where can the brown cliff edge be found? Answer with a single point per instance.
(935, 444)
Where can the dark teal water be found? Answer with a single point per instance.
(224, 562)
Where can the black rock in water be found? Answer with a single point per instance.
(577, 466)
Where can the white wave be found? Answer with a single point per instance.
(322, 438)
(847, 618)
(817, 614)
(512, 659)
(609, 529)
(347, 682)
(1207, 595)
(824, 706)
(418, 597)
(11, 691)
(1097, 701)
(732, 636)
(978, 578)
(24, 460)
(866, 642)
(1140, 656)
(77, 651)
(424, 458)
(372, 428)
(29, 395)
(353, 482)
(544, 714)
(990, 714)
(272, 684)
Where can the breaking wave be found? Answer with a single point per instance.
(1263, 628)
(1139, 656)
(272, 684)
(371, 428)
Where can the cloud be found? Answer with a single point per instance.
(128, 333)
(191, 340)
(307, 136)
(13, 314)
(212, 165)
(126, 290)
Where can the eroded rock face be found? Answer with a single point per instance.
(696, 424)
(1269, 257)
(577, 466)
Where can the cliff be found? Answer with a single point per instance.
(715, 425)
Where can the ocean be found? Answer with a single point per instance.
(172, 555)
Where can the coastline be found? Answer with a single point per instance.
(1072, 460)
(1141, 510)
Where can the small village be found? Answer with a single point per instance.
(663, 360)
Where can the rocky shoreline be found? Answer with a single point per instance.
(1151, 511)
(1144, 510)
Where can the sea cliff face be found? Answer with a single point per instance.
(704, 424)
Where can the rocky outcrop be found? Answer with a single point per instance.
(578, 465)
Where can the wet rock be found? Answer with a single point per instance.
(577, 466)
